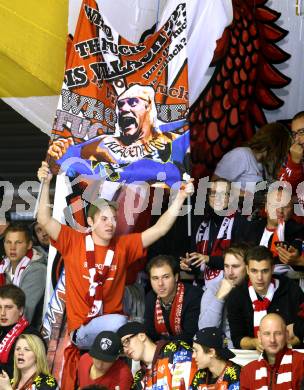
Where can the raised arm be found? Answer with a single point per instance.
(51, 225)
(165, 222)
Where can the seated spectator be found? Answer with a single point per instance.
(12, 324)
(161, 362)
(215, 233)
(260, 159)
(212, 357)
(293, 170)
(278, 367)
(262, 294)
(30, 366)
(41, 236)
(25, 267)
(213, 304)
(102, 366)
(278, 226)
(172, 307)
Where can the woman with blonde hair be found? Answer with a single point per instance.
(31, 370)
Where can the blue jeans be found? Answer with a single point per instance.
(86, 334)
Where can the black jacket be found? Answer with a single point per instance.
(190, 314)
(285, 302)
(239, 233)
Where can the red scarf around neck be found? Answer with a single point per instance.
(282, 371)
(175, 317)
(9, 339)
(96, 278)
(260, 307)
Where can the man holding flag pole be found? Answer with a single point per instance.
(121, 117)
(96, 263)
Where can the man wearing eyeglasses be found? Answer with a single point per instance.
(165, 365)
(141, 150)
(293, 171)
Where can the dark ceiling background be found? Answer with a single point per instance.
(22, 147)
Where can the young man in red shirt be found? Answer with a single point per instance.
(96, 263)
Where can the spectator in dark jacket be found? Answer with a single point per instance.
(262, 294)
(172, 307)
(219, 228)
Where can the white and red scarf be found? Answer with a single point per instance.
(96, 278)
(175, 317)
(222, 242)
(270, 236)
(283, 375)
(9, 339)
(260, 306)
(6, 264)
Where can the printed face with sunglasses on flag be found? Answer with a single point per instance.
(140, 151)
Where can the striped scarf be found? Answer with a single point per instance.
(9, 339)
(221, 242)
(96, 279)
(6, 264)
(282, 376)
(175, 317)
(260, 306)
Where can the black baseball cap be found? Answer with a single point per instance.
(131, 328)
(106, 346)
(98, 204)
(213, 337)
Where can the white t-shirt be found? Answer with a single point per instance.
(240, 165)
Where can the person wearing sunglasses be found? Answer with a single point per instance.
(293, 170)
(140, 148)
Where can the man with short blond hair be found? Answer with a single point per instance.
(213, 311)
(96, 262)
